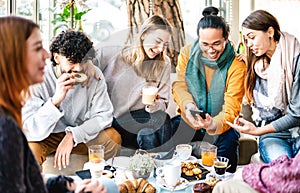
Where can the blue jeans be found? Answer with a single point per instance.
(140, 129)
(227, 142)
(273, 145)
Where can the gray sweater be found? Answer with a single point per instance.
(84, 111)
(125, 86)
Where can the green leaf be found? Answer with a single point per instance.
(80, 14)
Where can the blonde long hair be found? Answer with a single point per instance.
(135, 55)
(14, 31)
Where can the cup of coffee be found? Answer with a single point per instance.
(170, 173)
(208, 154)
(183, 151)
(220, 165)
(149, 94)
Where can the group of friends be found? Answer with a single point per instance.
(43, 110)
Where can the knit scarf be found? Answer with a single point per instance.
(280, 72)
(210, 101)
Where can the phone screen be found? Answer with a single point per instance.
(83, 174)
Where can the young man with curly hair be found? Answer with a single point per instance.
(64, 117)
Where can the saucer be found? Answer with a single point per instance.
(183, 184)
(120, 162)
(191, 159)
(224, 177)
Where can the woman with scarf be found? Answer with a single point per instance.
(272, 86)
(210, 78)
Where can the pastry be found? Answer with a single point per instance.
(139, 185)
(107, 174)
(202, 188)
(191, 171)
(79, 77)
(212, 181)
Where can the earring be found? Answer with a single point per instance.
(270, 37)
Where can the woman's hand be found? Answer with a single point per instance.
(241, 57)
(247, 127)
(244, 126)
(91, 73)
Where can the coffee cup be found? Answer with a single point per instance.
(220, 165)
(183, 151)
(149, 94)
(120, 176)
(170, 173)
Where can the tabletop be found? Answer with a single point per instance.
(122, 163)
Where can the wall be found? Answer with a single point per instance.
(286, 11)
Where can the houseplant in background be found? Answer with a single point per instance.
(68, 14)
(141, 164)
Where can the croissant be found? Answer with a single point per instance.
(139, 185)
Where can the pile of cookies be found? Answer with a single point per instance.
(191, 169)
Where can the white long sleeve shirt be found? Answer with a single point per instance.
(84, 111)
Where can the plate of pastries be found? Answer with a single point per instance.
(193, 171)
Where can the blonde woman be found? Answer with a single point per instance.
(127, 70)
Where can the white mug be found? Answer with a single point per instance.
(183, 151)
(170, 173)
(120, 176)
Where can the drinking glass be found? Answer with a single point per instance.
(208, 154)
(96, 158)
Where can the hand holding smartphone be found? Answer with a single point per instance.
(199, 112)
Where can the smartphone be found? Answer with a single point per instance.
(199, 112)
(84, 174)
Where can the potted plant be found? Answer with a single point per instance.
(70, 16)
(141, 164)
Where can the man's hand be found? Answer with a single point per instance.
(63, 84)
(189, 116)
(63, 151)
(91, 73)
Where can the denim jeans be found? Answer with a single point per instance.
(227, 142)
(140, 129)
(273, 145)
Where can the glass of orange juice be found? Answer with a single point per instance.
(208, 154)
(96, 158)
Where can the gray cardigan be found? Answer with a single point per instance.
(292, 118)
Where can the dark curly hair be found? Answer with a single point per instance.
(74, 45)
